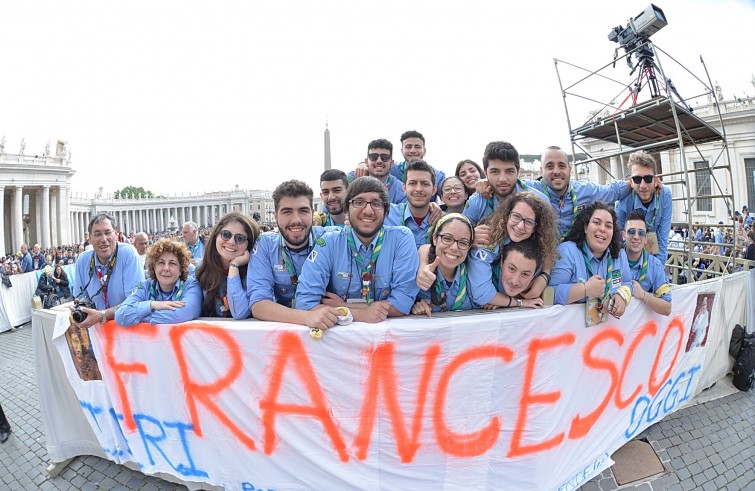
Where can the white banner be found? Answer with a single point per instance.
(526, 399)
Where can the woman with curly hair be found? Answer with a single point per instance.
(169, 296)
(222, 274)
(592, 265)
(443, 281)
(522, 216)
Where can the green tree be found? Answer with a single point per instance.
(133, 192)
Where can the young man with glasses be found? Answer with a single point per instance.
(649, 284)
(654, 202)
(277, 259)
(368, 267)
(107, 273)
(379, 162)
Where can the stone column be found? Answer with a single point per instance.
(65, 223)
(2, 221)
(54, 218)
(45, 206)
(18, 218)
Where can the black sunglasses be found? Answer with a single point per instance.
(639, 179)
(226, 235)
(385, 157)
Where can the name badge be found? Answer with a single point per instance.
(651, 243)
(279, 268)
(615, 279)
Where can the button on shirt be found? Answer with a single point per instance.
(570, 268)
(268, 277)
(330, 267)
(586, 193)
(125, 277)
(451, 290)
(662, 224)
(655, 279)
(136, 308)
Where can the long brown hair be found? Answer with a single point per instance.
(211, 273)
(545, 234)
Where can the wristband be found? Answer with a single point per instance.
(104, 317)
(232, 265)
(510, 300)
(547, 277)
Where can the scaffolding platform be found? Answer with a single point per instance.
(650, 122)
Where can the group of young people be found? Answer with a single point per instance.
(401, 238)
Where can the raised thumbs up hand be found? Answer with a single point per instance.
(426, 275)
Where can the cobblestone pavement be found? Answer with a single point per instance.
(709, 446)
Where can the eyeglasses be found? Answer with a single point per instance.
(455, 189)
(448, 239)
(638, 179)
(515, 218)
(385, 157)
(360, 203)
(636, 231)
(226, 235)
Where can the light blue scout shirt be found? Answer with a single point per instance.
(480, 263)
(579, 195)
(197, 250)
(655, 279)
(570, 268)
(330, 267)
(420, 232)
(478, 206)
(451, 290)
(268, 277)
(330, 223)
(26, 264)
(136, 308)
(659, 223)
(231, 300)
(125, 276)
(398, 170)
(394, 186)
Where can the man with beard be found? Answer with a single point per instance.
(369, 267)
(655, 202)
(333, 186)
(501, 165)
(649, 282)
(107, 273)
(379, 162)
(568, 197)
(277, 259)
(419, 189)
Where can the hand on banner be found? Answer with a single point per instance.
(426, 275)
(93, 317)
(376, 312)
(595, 285)
(618, 306)
(490, 306)
(422, 307)
(323, 317)
(332, 300)
(166, 305)
(533, 303)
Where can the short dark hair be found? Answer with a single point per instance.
(420, 165)
(527, 248)
(335, 175)
(503, 151)
(368, 184)
(636, 215)
(100, 217)
(412, 134)
(380, 143)
(292, 189)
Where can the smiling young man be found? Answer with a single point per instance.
(107, 273)
(379, 161)
(648, 279)
(501, 165)
(277, 259)
(654, 202)
(369, 267)
(333, 187)
(419, 189)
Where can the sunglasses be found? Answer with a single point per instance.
(226, 235)
(639, 179)
(385, 157)
(634, 231)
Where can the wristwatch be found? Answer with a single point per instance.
(518, 302)
(104, 317)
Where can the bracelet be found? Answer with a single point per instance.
(585, 285)
(510, 299)
(104, 317)
(234, 265)
(547, 277)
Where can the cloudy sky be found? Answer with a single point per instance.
(199, 96)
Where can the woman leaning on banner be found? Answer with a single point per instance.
(442, 277)
(521, 217)
(591, 263)
(170, 295)
(222, 274)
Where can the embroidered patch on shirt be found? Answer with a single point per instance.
(343, 276)
(321, 242)
(312, 256)
(481, 254)
(279, 268)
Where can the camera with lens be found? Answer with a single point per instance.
(79, 315)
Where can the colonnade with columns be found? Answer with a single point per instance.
(33, 216)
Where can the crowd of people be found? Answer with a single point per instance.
(394, 239)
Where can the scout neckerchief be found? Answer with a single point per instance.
(401, 170)
(153, 290)
(366, 271)
(104, 278)
(286, 260)
(644, 266)
(491, 205)
(651, 225)
(439, 293)
(607, 289)
(389, 182)
(195, 248)
(574, 204)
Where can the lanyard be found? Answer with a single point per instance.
(401, 170)
(651, 224)
(179, 294)
(366, 271)
(574, 204)
(104, 279)
(644, 267)
(607, 289)
(286, 259)
(439, 294)
(195, 248)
